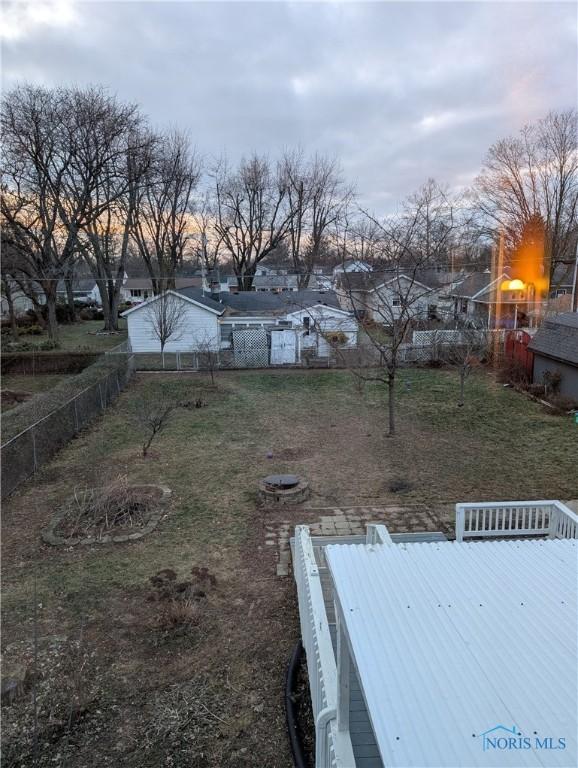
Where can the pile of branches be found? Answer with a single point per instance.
(94, 512)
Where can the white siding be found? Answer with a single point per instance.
(199, 326)
(328, 320)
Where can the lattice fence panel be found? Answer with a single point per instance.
(251, 348)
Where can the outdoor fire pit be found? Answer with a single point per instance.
(283, 489)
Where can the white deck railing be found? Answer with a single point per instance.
(377, 534)
(332, 747)
(515, 518)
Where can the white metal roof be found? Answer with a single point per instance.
(451, 640)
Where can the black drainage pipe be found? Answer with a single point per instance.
(291, 707)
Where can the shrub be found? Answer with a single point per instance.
(513, 372)
(21, 417)
(538, 390)
(552, 381)
(31, 330)
(336, 337)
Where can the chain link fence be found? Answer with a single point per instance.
(23, 455)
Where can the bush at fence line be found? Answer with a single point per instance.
(33, 361)
(24, 415)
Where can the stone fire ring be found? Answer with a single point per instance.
(274, 493)
(49, 535)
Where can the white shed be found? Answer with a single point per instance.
(314, 324)
(197, 324)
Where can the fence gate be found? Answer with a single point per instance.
(283, 347)
(250, 348)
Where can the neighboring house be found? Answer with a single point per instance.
(20, 300)
(555, 348)
(285, 323)
(310, 318)
(264, 280)
(277, 283)
(383, 296)
(351, 265)
(396, 297)
(563, 279)
(84, 290)
(475, 298)
(137, 289)
(320, 280)
(198, 325)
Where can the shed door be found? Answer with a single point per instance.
(323, 346)
(283, 347)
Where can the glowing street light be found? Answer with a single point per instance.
(514, 285)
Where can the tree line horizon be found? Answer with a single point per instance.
(88, 184)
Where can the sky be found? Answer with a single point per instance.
(397, 91)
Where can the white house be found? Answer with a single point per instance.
(321, 327)
(197, 324)
(396, 297)
(284, 325)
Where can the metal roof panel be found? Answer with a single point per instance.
(451, 640)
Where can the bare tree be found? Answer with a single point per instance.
(209, 357)
(317, 199)
(208, 242)
(105, 242)
(165, 314)
(252, 214)
(152, 415)
(467, 348)
(391, 300)
(161, 220)
(57, 146)
(534, 176)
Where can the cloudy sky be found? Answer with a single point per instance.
(398, 91)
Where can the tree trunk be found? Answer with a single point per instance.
(462, 387)
(50, 293)
(70, 296)
(11, 312)
(391, 404)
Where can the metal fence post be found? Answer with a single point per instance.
(75, 414)
(101, 400)
(34, 451)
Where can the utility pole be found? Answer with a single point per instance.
(574, 288)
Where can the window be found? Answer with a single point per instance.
(136, 292)
(307, 325)
(226, 333)
(396, 302)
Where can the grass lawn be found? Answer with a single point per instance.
(81, 337)
(210, 694)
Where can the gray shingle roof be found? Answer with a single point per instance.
(472, 284)
(259, 303)
(558, 337)
(196, 294)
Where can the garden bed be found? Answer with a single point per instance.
(114, 515)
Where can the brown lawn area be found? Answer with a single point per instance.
(121, 684)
